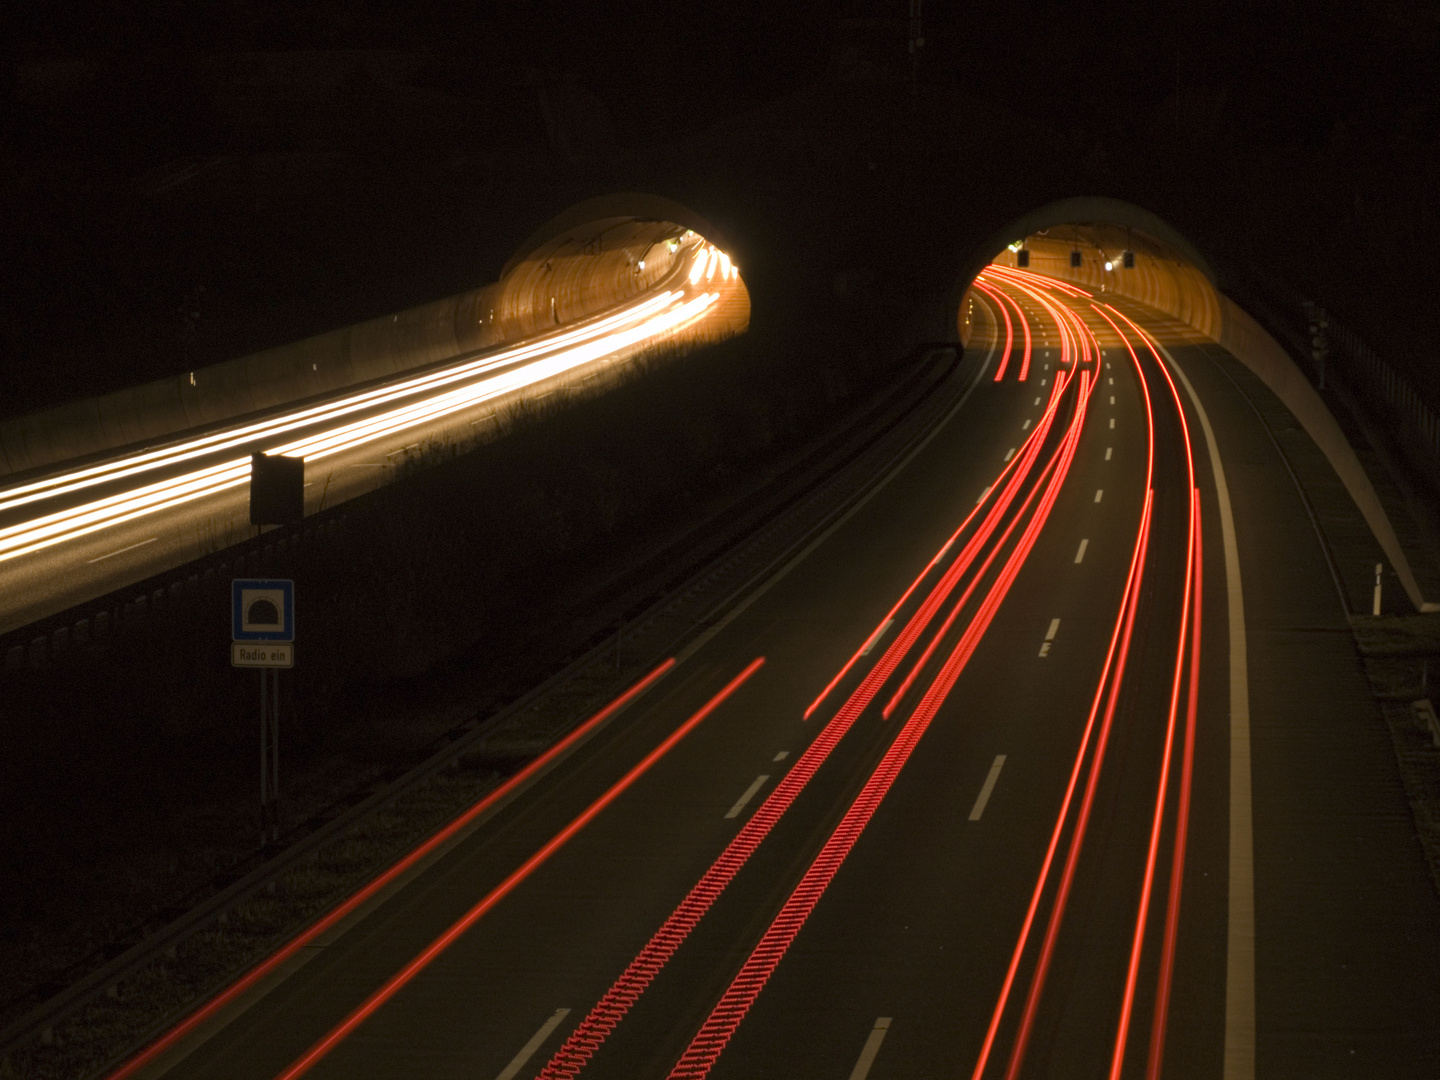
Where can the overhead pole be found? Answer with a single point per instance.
(917, 42)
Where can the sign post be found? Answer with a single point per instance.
(262, 630)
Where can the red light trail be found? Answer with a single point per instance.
(397, 981)
(708, 1043)
(338, 913)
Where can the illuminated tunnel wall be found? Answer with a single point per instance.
(1171, 276)
(595, 255)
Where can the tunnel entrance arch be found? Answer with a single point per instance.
(1082, 240)
(1169, 272)
(600, 252)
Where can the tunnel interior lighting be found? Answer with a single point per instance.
(1109, 265)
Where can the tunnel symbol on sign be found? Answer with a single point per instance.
(266, 611)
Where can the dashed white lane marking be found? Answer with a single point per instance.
(1112, 399)
(875, 637)
(1037, 401)
(987, 788)
(1049, 637)
(1108, 449)
(982, 495)
(1025, 425)
(1099, 492)
(870, 1049)
(1044, 381)
(750, 791)
(1009, 453)
(1112, 380)
(1112, 423)
(1080, 555)
(528, 1050)
(132, 547)
(781, 756)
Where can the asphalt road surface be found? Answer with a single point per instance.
(955, 890)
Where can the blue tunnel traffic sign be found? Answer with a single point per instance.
(262, 609)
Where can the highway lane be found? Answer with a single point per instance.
(931, 904)
(595, 943)
(853, 758)
(1347, 919)
(918, 925)
(86, 528)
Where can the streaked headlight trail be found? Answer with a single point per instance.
(323, 430)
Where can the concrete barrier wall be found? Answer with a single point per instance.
(1249, 342)
(588, 268)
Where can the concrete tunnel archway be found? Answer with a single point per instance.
(597, 253)
(1171, 275)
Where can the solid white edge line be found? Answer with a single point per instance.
(750, 791)
(528, 1050)
(987, 788)
(1239, 1054)
(870, 1049)
(112, 554)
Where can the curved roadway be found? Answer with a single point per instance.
(753, 871)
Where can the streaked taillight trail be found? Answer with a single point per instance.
(1187, 647)
(708, 1043)
(1001, 299)
(356, 900)
(401, 978)
(622, 996)
(1001, 529)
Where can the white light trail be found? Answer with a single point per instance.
(522, 366)
(130, 465)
